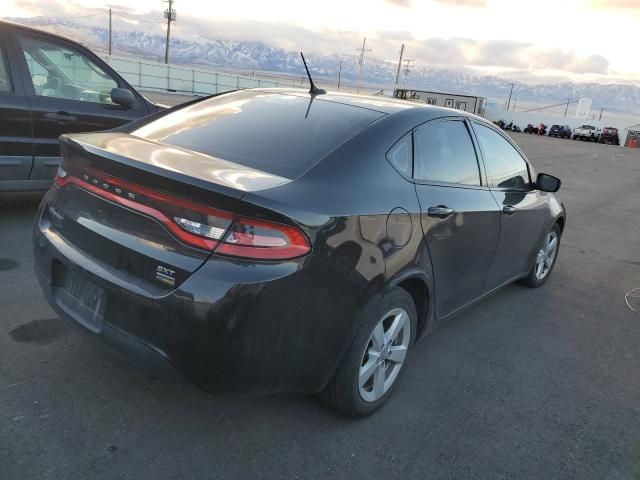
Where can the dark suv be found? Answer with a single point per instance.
(562, 131)
(50, 86)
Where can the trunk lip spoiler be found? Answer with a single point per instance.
(204, 171)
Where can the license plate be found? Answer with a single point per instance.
(82, 299)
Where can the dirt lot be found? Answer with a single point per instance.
(529, 384)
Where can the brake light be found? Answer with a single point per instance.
(250, 238)
(194, 224)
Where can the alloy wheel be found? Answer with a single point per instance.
(384, 354)
(547, 255)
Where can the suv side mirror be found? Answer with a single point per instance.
(123, 97)
(548, 183)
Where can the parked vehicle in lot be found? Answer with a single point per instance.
(539, 130)
(610, 136)
(586, 132)
(49, 86)
(561, 131)
(308, 259)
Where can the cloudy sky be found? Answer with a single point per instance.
(582, 40)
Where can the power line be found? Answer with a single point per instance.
(81, 16)
(407, 70)
(135, 19)
(551, 106)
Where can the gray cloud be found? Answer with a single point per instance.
(454, 52)
(568, 61)
(506, 54)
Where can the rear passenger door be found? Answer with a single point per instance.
(16, 149)
(460, 218)
(523, 210)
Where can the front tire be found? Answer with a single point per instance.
(369, 371)
(545, 260)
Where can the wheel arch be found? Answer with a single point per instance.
(419, 285)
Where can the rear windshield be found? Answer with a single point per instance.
(273, 132)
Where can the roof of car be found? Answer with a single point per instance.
(386, 105)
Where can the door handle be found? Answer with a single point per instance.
(441, 211)
(509, 209)
(60, 117)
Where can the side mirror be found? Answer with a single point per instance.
(123, 97)
(548, 183)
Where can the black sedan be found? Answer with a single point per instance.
(279, 241)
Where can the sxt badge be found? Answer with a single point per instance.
(166, 276)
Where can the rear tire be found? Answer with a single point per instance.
(546, 259)
(364, 381)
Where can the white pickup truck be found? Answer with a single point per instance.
(586, 132)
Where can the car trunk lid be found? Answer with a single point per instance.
(150, 213)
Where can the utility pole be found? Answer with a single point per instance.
(601, 110)
(510, 93)
(339, 73)
(399, 64)
(514, 104)
(170, 15)
(362, 51)
(109, 32)
(567, 107)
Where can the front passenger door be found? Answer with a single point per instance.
(70, 93)
(523, 210)
(460, 218)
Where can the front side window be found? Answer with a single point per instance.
(59, 72)
(445, 153)
(5, 83)
(505, 166)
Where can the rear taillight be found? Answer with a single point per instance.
(250, 238)
(194, 224)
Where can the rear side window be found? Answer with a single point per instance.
(401, 156)
(444, 153)
(505, 166)
(272, 132)
(5, 83)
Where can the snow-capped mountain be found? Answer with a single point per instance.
(248, 55)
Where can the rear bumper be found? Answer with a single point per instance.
(230, 327)
(116, 340)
